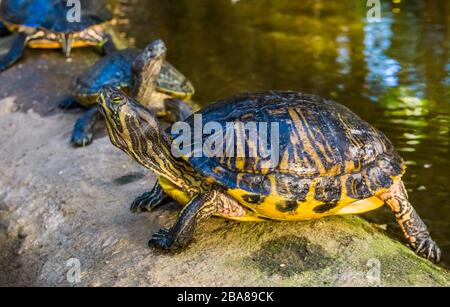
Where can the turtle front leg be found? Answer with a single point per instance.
(200, 208)
(415, 230)
(180, 235)
(150, 200)
(15, 53)
(83, 132)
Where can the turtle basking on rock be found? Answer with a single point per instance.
(134, 71)
(331, 162)
(45, 24)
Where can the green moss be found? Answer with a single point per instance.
(334, 251)
(290, 255)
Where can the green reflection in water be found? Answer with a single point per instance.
(394, 74)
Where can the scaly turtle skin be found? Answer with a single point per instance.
(44, 24)
(330, 163)
(117, 70)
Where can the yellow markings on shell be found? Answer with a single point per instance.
(254, 154)
(303, 135)
(350, 167)
(240, 163)
(267, 209)
(327, 145)
(48, 44)
(284, 163)
(312, 150)
(334, 171)
(320, 146)
(344, 192)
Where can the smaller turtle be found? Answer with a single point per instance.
(45, 24)
(325, 161)
(132, 70)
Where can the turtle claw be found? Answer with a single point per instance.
(83, 131)
(141, 204)
(82, 140)
(163, 239)
(147, 202)
(428, 248)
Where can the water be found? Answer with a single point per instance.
(394, 74)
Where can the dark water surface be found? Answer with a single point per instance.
(394, 73)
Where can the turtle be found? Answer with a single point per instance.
(124, 69)
(330, 162)
(50, 24)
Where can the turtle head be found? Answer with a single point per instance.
(131, 127)
(146, 70)
(153, 53)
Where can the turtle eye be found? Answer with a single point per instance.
(116, 99)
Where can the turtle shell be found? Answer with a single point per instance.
(52, 14)
(327, 155)
(116, 70)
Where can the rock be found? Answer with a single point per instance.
(7, 106)
(63, 209)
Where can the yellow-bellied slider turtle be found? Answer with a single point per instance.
(330, 162)
(128, 70)
(49, 24)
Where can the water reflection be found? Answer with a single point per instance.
(382, 70)
(343, 54)
(394, 74)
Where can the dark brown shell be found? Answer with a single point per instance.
(323, 145)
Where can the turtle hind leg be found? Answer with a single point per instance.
(83, 132)
(150, 200)
(415, 230)
(15, 53)
(200, 208)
